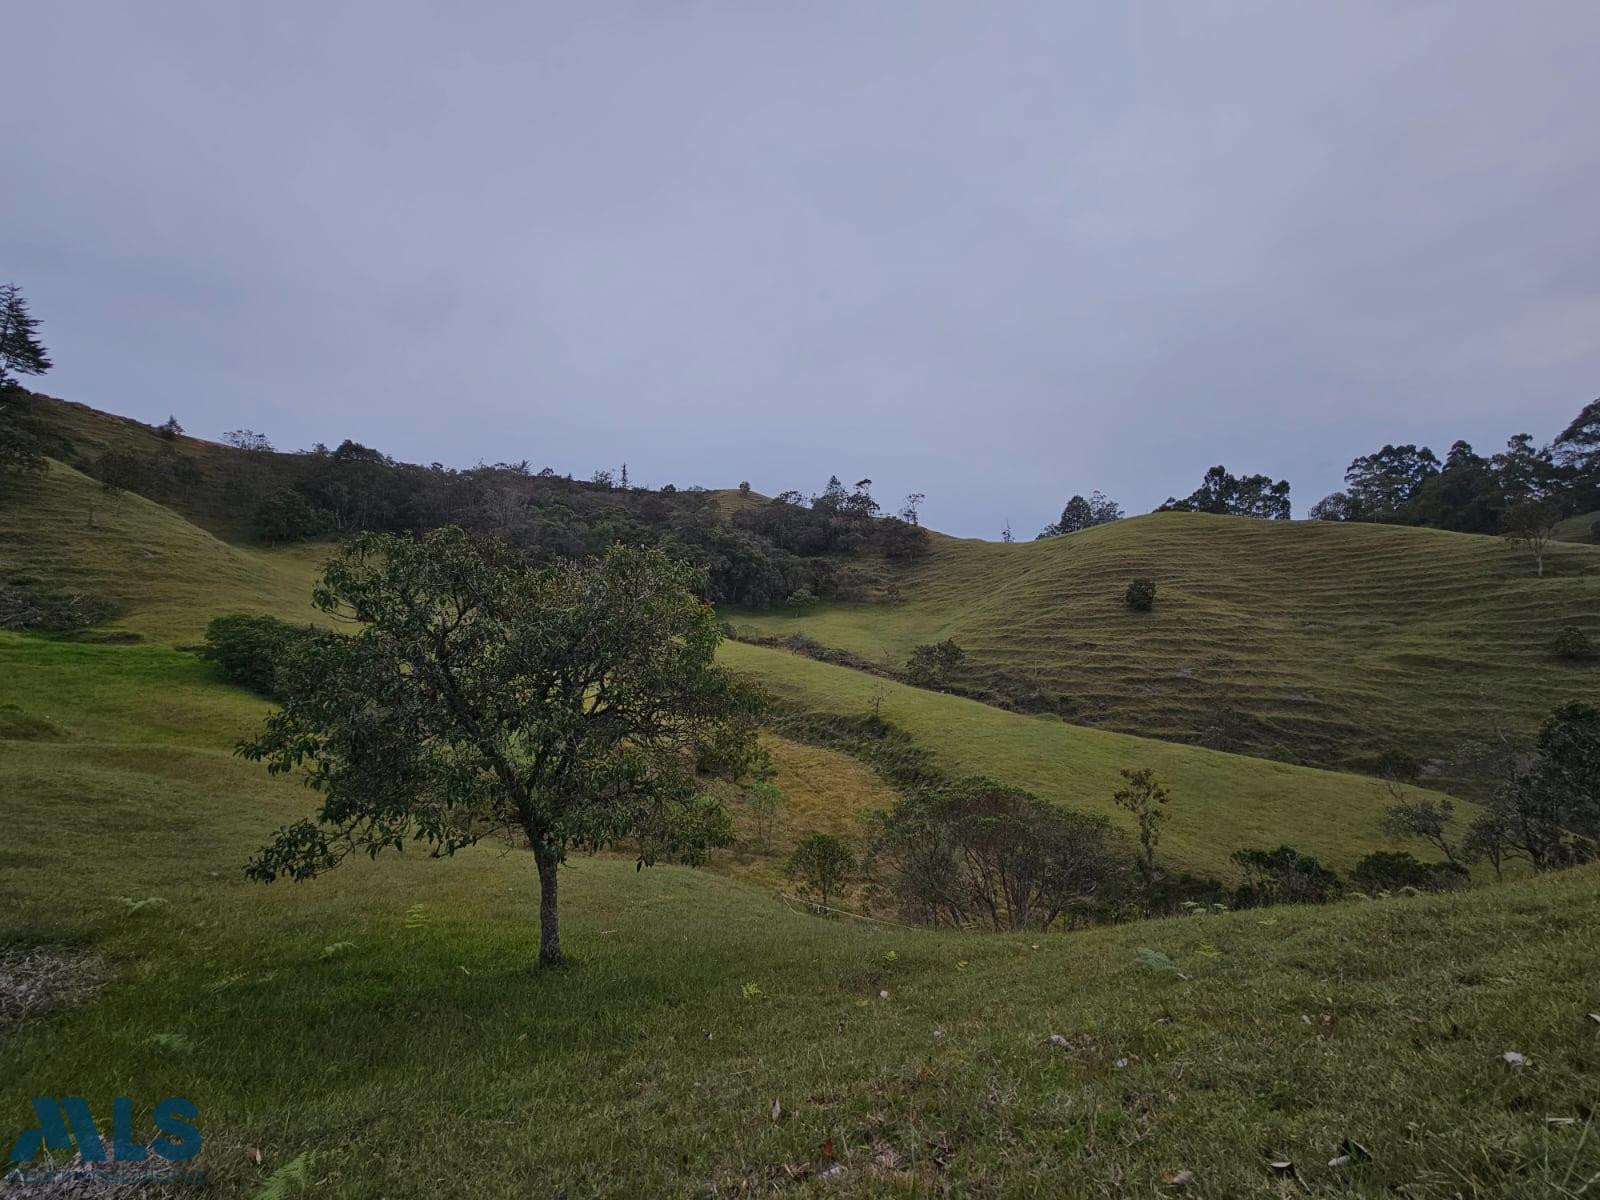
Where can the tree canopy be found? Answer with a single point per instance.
(21, 352)
(568, 705)
(1222, 492)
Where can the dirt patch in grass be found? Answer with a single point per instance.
(36, 980)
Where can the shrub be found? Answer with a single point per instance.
(1390, 871)
(249, 648)
(46, 611)
(289, 517)
(1283, 876)
(822, 863)
(978, 853)
(169, 429)
(932, 663)
(1141, 595)
(1572, 644)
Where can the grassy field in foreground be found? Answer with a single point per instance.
(1222, 802)
(1330, 643)
(386, 1020)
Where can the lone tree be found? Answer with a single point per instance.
(1425, 819)
(1532, 526)
(823, 863)
(1144, 797)
(571, 705)
(21, 352)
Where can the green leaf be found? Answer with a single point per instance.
(294, 1174)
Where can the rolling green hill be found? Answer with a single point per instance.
(381, 1030)
(1309, 641)
(170, 578)
(166, 576)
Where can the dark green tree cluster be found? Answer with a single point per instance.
(1226, 494)
(837, 521)
(1079, 514)
(1471, 493)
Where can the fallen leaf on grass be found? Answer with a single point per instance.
(1514, 1060)
(1177, 1178)
(1283, 1168)
(777, 1109)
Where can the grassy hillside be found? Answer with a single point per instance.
(1222, 802)
(1581, 528)
(168, 576)
(171, 577)
(386, 1021)
(1314, 642)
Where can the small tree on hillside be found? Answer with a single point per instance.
(21, 352)
(765, 799)
(247, 439)
(822, 863)
(572, 705)
(1532, 526)
(1141, 595)
(1144, 798)
(1427, 820)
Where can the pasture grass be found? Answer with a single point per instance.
(1321, 643)
(388, 1020)
(1221, 802)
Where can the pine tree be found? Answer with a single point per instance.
(20, 350)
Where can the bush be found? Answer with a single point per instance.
(289, 517)
(45, 611)
(1141, 595)
(1390, 871)
(823, 863)
(932, 663)
(978, 853)
(249, 648)
(1572, 644)
(1283, 876)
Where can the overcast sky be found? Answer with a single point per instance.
(998, 253)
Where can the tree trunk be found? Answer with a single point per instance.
(549, 919)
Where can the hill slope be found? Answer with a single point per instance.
(171, 578)
(1314, 642)
(168, 577)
